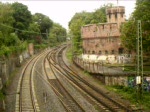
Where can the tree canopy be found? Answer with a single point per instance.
(129, 29)
(44, 22)
(57, 34)
(18, 26)
(22, 18)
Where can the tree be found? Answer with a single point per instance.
(6, 19)
(23, 18)
(34, 34)
(57, 34)
(129, 29)
(44, 22)
(128, 37)
(142, 13)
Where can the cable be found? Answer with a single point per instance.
(20, 30)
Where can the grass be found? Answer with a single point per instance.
(2, 96)
(69, 54)
(131, 95)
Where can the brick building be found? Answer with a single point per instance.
(102, 41)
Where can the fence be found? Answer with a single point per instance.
(92, 67)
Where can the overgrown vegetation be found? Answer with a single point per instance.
(128, 37)
(130, 94)
(2, 96)
(18, 27)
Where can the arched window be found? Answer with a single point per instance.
(109, 15)
(93, 52)
(116, 15)
(106, 52)
(112, 52)
(120, 51)
(100, 52)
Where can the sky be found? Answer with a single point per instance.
(61, 11)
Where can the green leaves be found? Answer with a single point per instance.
(57, 34)
(129, 30)
(128, 35)
(18, 26)
(22, 18)
(44, 22)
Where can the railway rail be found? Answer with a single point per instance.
(102, 100)
(63, 95)
(26, 98)
(57, 72)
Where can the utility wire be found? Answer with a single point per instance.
(20, 30)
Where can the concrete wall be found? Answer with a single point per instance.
(107, 58)
(8, 65)
(116, 80)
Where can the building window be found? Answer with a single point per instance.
(106, 52)
(113, 52)
(116, 15)
(100, 52)
(93, 52)
(120, 50)
(129, 51)
(103, 26)
(109, 15)
(88, 52)
(122, 15)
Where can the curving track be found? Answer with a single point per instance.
(26, 99)
(58, 75)
(63, 95)
(102, 101)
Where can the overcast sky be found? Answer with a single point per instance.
(61, 11)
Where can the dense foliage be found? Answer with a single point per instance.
(57, 34)
(44, 22)
(129, 29)
(83, 18)
(18, 27)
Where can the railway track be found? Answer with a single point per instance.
(26, 99)
(63, 95)
(102, 100)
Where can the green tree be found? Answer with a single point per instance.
(129, 29)
(128, 37)
(34, 34)
(6, 18)
(142, 13)
(44, 22)
(23, 18)
(57, 34)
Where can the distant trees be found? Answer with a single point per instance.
(129, 29)
(18, 26)
(23, 18)
(8, 39)
(83, 18)
(44, 22)
(57, 34)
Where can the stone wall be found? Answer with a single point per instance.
(8, 65)
(104, 38)
(116, 80)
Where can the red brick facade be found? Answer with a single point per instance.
(104, 38)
